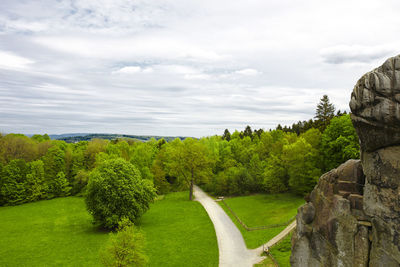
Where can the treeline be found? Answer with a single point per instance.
(278, 161)
(89, 137)
(259, 161)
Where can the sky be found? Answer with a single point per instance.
(183, 67)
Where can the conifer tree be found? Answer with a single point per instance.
(325, 112)
(227, 135)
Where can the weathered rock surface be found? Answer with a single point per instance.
(375, 104)
(328, 230)
(353, 217)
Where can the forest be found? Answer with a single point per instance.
(289, 159)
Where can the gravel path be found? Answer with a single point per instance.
(232, 249)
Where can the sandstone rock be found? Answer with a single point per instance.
(375, 104)
(353, 217)
(325, 224)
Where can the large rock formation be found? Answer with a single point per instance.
(375, 104)
(353, 217)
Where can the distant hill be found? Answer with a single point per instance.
(76, 137)
(60, 136)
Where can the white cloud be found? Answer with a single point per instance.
(9, 60)
(248, 72)
(133, 70)
(128, 70)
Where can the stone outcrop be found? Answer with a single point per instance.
(353, 216)
(333, 225)
(375, 104)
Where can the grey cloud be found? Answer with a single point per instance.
(354, 54)
(196, 51)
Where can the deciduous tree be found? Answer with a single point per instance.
(116, 190)
(189, 162)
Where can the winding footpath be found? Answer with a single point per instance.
(231, 245)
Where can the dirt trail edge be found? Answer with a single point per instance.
(231, 246)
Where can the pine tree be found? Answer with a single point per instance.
(248, 132)
(325, 112)
(227, 135)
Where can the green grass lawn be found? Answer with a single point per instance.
(281, 251)
(55, 232)
(179, 233)
(59, 232)
(262, 209)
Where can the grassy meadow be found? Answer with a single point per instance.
(55, 232)
(59, 232)
(260, 210)
(179, 233)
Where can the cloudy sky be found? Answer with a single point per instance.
(183, 67)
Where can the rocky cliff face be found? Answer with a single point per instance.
(353, 217)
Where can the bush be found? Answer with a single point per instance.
(116, 190)
(125, 248)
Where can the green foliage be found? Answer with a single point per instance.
(13, 179)
(339, 142)
(300, 159)
(189, 162)
(17, 146)
(36, 187)
(116, 190)
(124, 248)
(40, 138)
(143, 157)
(245, 162)
(275, 176)
(227, 135)
(281, 251)
(80, 181)
(60, 185)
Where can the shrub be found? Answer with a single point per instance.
(124, 248)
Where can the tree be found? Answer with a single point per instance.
(94, 147)
(53, 164)
(248, 132)
(143, 157)
(124, 248)
(61, 186)
(301, 161)
(227, 135)
(36, 187)
(17, 146)
(116, 190)
(189, 162)
(275, 175)
(325, 112)
(13, 181)
(339, 142)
